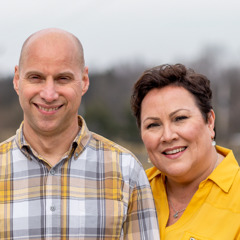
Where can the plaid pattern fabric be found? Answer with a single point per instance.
(97, 191)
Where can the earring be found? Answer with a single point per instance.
(148, 160)
(213, 142)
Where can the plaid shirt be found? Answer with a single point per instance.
(97, 191)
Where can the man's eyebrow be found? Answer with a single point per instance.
(36, 73)
(33, 72)
(64, 73)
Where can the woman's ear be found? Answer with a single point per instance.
(211, 123)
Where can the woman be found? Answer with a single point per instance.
(196, 185)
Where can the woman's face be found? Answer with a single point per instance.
(177, 138)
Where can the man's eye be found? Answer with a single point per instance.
(63, 79)
(34, 77)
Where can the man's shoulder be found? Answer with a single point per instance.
(152, 173)
(109, 144)
(123, 160)
(6, 145)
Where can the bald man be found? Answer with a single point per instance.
(58, 180)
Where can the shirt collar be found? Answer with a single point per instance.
(224, 174)
(22, 143)
(82, 138)
(152, 173)
(79, 143)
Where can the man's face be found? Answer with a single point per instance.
(50, 84)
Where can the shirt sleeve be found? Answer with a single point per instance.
(141, 221)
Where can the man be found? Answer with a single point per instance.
(58, 180)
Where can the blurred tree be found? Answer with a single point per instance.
(100, 120)
(106, 105)
(10, 111)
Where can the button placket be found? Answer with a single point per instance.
(52, 172)
(53, 201)
(52, 208)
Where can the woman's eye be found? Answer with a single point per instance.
(151, 125)
(180, 118)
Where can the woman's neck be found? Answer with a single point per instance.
(179, 194)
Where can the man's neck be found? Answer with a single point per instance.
(51, 147)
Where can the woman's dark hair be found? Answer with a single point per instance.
(178, 75)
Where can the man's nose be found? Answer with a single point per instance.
(48, 92)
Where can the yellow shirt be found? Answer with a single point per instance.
(214, 211)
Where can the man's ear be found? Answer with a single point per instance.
(16, 79)
(85, 81)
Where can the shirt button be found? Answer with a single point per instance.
(192, 238)
(52, 208)
(52, 171)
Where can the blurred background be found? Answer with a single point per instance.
(121, 39)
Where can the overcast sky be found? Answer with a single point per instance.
(122, 31)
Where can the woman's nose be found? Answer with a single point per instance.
(168, 134)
